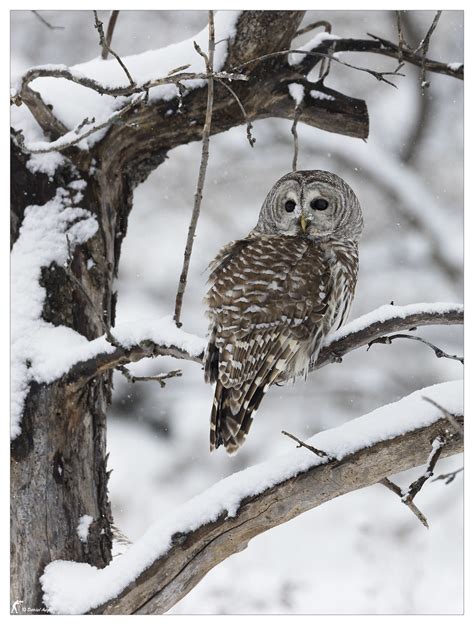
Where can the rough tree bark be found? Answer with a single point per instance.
(59, 462)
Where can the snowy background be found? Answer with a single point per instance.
(363, 553)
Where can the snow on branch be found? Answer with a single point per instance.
(72, 75)
(175, 553)
(382, 321)
(38, 348)
(158, 74)
(44, 353)
(169, 73)
(145, 341)
(147, 338)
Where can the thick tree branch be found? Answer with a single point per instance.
(341, 343)
(344, 341)
(194, 553)
(149, 132)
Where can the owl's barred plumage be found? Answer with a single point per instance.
(276, 294)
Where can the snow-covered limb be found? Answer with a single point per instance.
(384, 320)
(43, 241)
(175, 553)
(74, 137)
(143, 339)
(97, 83)
(355, 334)
(70, 74)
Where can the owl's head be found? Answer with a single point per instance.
(311, 203)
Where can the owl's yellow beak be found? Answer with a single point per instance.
(303, 223)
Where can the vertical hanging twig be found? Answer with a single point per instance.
(109, 33)
(294, 132)
(209, 59)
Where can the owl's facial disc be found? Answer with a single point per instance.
(321, 207)
(307, 210)
(312, 204)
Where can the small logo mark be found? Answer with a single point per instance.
(15, 606)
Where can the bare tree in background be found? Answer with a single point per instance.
(59, 461)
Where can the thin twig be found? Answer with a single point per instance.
(387, 48)
(318, 452)
(326, 25)
(423, 47)
(251, 139)
(103, 42)
(398, 491)
(294, 132)
(67, 74)
(407, 496)
(415, 487)
(401, 39)
(46, 23)
(181, 68)
(449, 416)
(160, 377)
(118, 536)
(380, 76)
(326, 64)
(109, 33)
(377, 46)
(425, 42)
(448, 477)
(202, 169)
(387, 340)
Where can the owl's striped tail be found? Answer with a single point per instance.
(236, 401)
(231, 414)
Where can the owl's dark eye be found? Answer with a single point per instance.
(290, 206)
(319, 204)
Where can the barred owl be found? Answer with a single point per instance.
(276, 294)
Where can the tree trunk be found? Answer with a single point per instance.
(58, 463)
